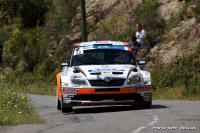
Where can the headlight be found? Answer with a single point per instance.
(78, 80)
(134, 79)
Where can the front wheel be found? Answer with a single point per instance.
(145, 106)
(58, 104)
(66, 109)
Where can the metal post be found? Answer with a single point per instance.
(83, 21)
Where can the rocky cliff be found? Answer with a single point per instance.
(173, 44)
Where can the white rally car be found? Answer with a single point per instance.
(102, 73)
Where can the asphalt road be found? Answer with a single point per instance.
(166, 116)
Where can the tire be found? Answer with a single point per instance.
(58, 104)
(66, 109)
(147, 105)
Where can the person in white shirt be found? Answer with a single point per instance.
(140, 33)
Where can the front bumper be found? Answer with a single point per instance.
(69, 100)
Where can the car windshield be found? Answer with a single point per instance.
(103, 56)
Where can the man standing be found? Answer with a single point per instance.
(140, 33)
(1, 53)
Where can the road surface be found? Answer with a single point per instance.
(166, 116)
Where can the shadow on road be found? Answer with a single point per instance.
(104, 109)
(158, 106)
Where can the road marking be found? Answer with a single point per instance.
(138, 129)
(151, 123)
(155, 119)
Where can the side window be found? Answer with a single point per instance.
(69, 58)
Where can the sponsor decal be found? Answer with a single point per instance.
(105, 47)
(65, 84)
(106, 72)
(70, 90)
(70, 96)
(104, 66)
(78, 51)
(143, 88)
(106, 69)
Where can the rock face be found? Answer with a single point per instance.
(102, 10)
(168, 7)
(174, 44)
(177, 42)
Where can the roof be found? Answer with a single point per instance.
(91, 43)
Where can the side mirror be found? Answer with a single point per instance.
(64, 64)
(141, 63)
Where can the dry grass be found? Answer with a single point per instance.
(173, 93)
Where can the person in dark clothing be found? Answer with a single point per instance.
(1, 53)
(135, 46)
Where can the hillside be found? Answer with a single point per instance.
(35, 54)
(176, 42)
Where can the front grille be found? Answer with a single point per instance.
(107, 89)
(104, 83)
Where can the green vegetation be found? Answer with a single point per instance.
(27, 68)
(197, 10)
(176, 18)
(31, 12)
(33, 51)
(183, 76)
(15, 106)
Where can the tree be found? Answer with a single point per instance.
(31, 12)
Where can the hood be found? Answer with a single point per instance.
(93, 72)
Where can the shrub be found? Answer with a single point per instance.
(15, 106)
(197, 10)
(27, 47)
(185, 73)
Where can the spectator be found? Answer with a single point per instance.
(1, 53)
(135, 46)
(140, 33)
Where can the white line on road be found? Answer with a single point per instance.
(138, 129)
(151, 123)
(155, 119)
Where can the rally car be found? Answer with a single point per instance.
(102, 73)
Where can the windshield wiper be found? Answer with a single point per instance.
(116, 62)
(84, 63)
